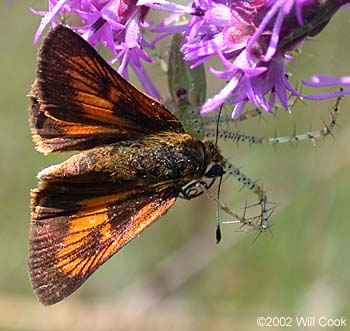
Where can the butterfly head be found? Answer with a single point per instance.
(215, 160)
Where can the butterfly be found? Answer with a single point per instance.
(134, 160)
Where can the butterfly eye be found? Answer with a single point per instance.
(215, 170)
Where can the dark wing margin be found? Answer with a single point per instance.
(79, 101)
(70, 239)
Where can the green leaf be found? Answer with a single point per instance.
(187, 88)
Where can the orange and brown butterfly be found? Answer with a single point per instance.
(135, 159)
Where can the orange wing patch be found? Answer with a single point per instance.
(79, 101)
(66, 250)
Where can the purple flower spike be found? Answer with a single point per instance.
(116, 24)
(253, 40)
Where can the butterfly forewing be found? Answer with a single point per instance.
(79, 101)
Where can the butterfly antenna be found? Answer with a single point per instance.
(218, 230)
(217, 126)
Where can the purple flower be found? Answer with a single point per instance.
(116, 24)
(326, 81)
(252, 39)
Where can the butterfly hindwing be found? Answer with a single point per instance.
(79, 101)
(69, 241)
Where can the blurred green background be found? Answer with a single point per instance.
(174, 276)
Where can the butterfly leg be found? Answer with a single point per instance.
(326, 130)
(255, 188)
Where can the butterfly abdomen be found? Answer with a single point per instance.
(151, 160)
